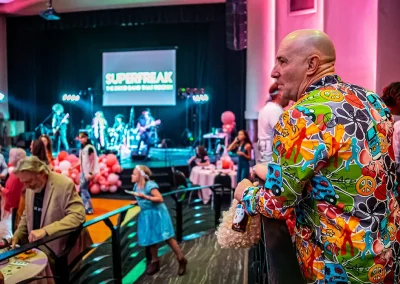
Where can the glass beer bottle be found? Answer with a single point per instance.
(240, 220)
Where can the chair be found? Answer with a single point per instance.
(226, 186)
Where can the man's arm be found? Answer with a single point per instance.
(22, 230)
(74, 212)
(299, 160)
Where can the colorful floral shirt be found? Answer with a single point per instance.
(334, 169)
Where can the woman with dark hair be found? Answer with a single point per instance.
(48, 145)
(38, 149)
(243, 145)
(201, 159)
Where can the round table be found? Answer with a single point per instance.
(16, 273)
(205, 176)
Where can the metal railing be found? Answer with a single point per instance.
(190, 221)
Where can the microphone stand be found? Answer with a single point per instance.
(43, 122)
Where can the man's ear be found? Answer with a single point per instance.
(313, 63)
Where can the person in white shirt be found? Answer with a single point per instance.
(267, 119)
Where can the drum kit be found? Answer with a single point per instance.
(130, 137)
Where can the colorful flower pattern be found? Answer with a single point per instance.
(334, 169)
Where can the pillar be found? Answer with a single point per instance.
(3, 69)
(260, 58)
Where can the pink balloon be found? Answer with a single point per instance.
(102, 157)
(56, 162)
(95, 189)
(113, 179)
(103, 188)
(72, 159)
(73, 176)
(113, 188)
(10, 169)
(111, 160)
(77, 187)
(119, 183)
(228, 117)
(102, 166)
(116, 168)
(77, 179)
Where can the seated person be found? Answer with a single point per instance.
(201, 159)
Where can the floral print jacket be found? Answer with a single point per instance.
(334, 170)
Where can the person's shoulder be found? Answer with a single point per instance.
(151, 184)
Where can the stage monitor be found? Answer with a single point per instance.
(139, 78)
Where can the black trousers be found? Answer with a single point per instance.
(61, 138)
(145, 138)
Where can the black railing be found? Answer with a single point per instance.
(190, 220)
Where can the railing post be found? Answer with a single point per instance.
(116, 253)
(116, 248)
(179, 220)
(217, 208)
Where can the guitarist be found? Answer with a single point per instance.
(145, 127)
(59, 126)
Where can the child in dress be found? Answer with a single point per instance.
(154, 225)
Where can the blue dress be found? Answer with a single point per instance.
(154, 224)
(243, 170)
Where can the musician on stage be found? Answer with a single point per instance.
(100, 125)
(59, 126)
(119, 126)
(145, 126)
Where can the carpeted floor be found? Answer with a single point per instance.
(208, 264)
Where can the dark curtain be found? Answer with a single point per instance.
(48, 59)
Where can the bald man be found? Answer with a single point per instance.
(333, 167)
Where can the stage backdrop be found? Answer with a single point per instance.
(48, 59)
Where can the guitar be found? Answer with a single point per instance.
(64, 120)
(143, 129)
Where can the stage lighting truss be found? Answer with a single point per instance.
(198, 95)
(71, 98)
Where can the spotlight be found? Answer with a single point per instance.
(203, 98)
(2, 96)
(70, 98)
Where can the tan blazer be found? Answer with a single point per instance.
(62, 209)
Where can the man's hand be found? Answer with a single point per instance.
(241, 187)
(260, 171)
(89, 177)
(14, 241)
(36, 235)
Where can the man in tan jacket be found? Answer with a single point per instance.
(52, 205)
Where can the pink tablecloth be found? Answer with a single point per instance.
(200, 176)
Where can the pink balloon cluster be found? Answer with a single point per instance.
(228, 121)
(106, 180)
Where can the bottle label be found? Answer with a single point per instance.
(239, 214)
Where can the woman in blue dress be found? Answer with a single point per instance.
(154, 225)
(243, 145)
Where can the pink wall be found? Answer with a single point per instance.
(286, 23)
(388, 56)
(352, 25)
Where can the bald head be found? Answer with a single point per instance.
(310, 42)
(303, 57)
